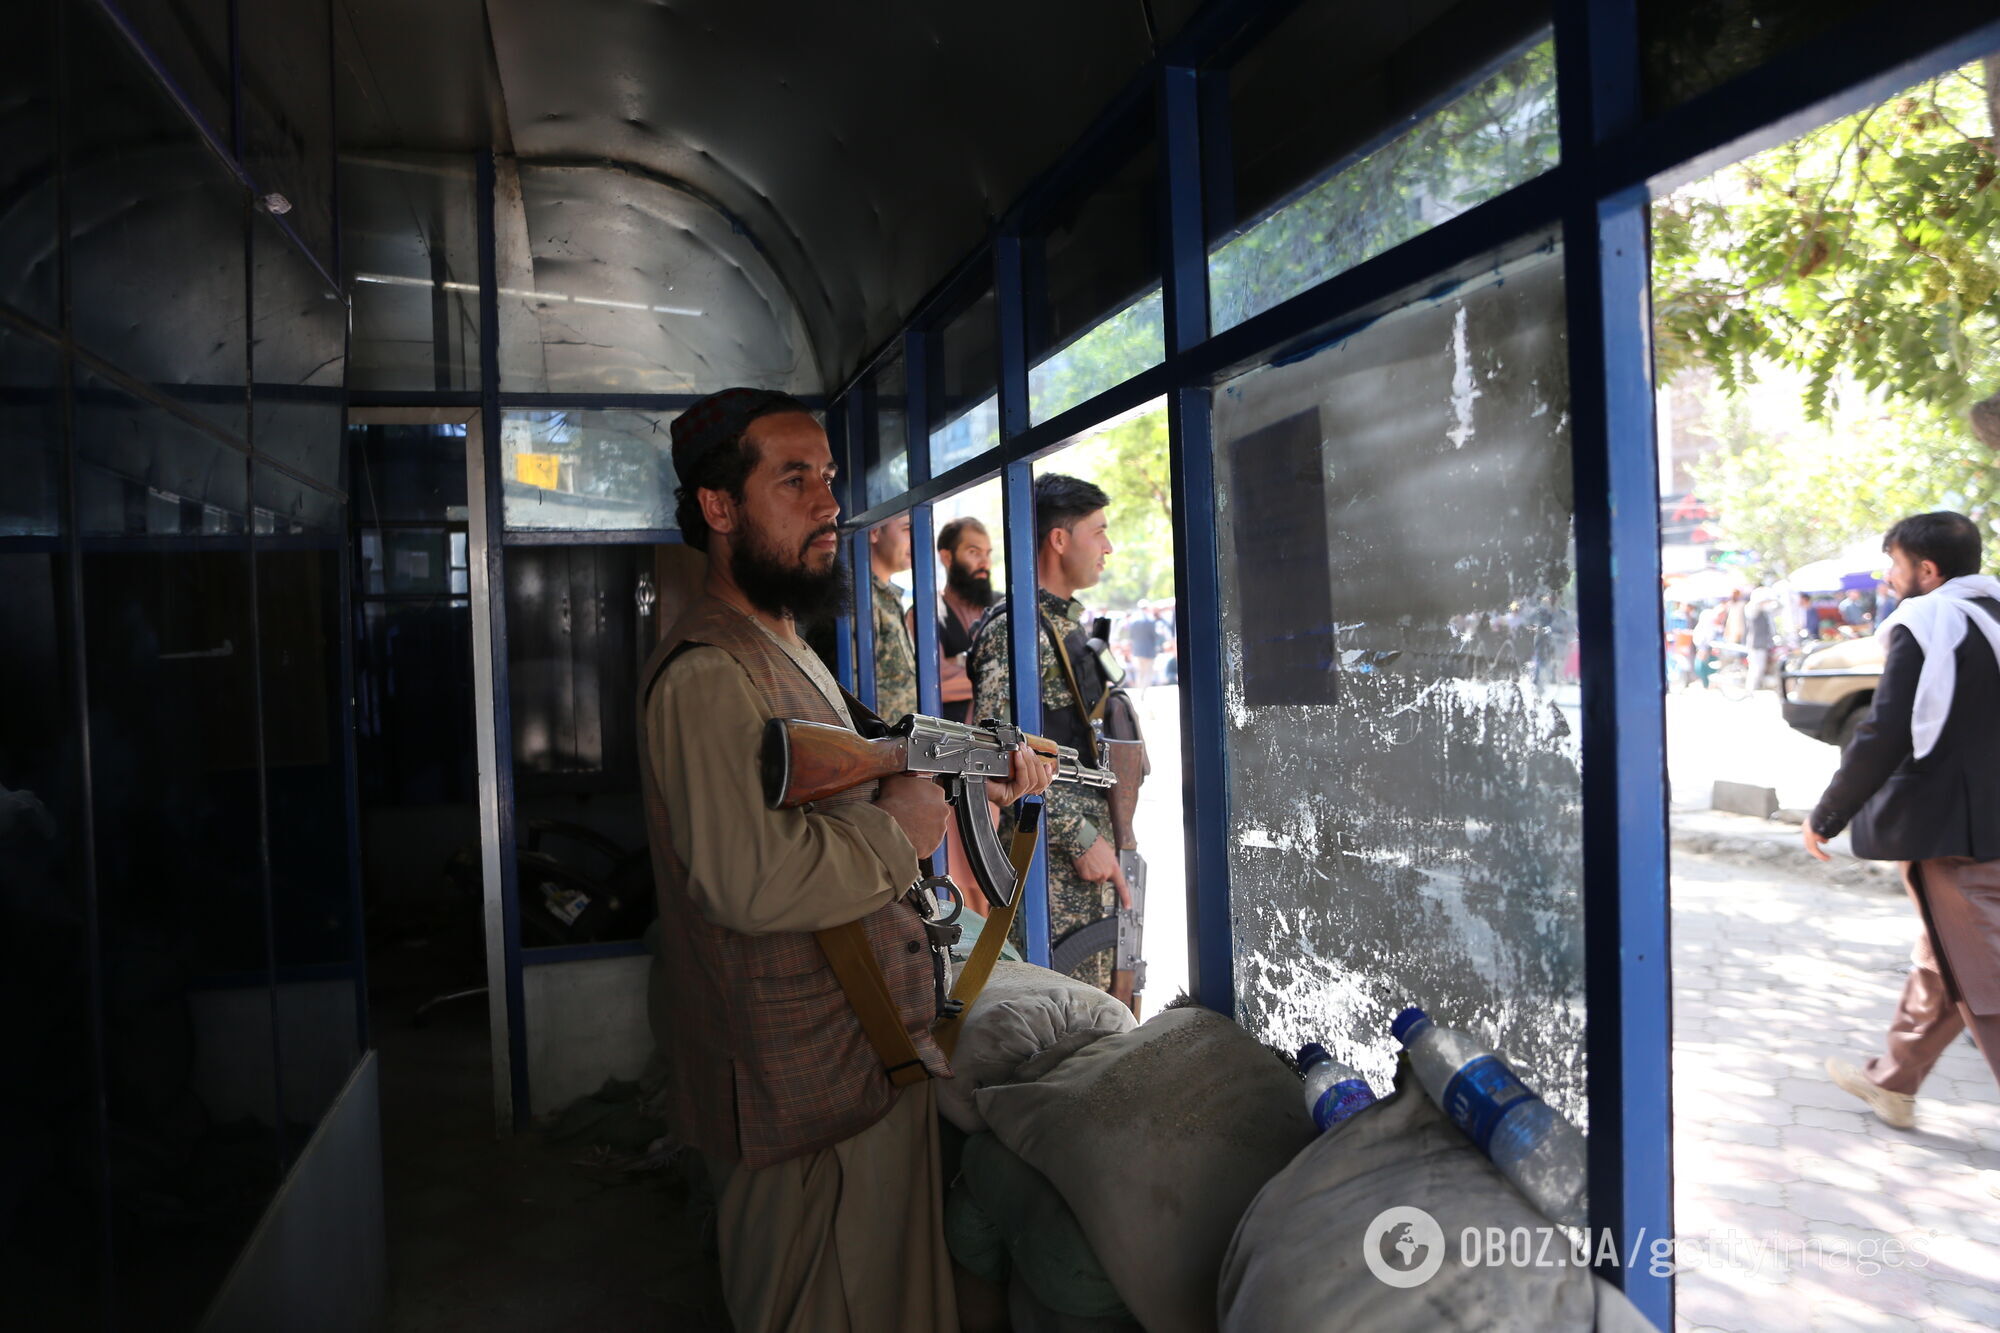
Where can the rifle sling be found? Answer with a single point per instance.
(979, 967)
(853, 961)
(1090, 716)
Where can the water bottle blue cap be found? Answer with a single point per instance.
(1311, 1054)
(1409, 1018)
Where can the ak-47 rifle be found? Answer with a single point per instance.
(809, 761)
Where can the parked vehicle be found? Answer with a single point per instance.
(1825, 691)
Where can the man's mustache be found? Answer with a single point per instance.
(806, 545)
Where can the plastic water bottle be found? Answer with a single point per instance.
(1333, 1091)
(1534, 1147)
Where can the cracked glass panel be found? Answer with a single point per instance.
(1401, 683)
(613, 282)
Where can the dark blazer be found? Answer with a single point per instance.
(1945, 804)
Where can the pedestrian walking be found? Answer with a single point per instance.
(1142, 632)
(1920, 785)
(1759, 636)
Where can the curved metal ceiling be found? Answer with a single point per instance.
(864, 148)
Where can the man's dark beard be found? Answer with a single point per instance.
(782, 584)
(973, 589)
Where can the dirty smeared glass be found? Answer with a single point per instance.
(1401, 683)
(1501, 133)
(964, 371)
(886, 437)
(587, 471)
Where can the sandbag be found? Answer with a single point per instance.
(1023, 1013)
(1158, 1139)
(1001, 1198)
(1296, 1262)
(973, 1237)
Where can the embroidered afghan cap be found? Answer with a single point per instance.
(720, 419)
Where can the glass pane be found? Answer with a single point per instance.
(1128, 342)
(588, 471)
(1130, 607)
(156, 232)
(610, 282)
(1093, 290)
(188, 1030)
(1496, 136)
(886, 445)
(1401, 698)
(409, 473)
(964, 373)
(409, 231)
(142, 472)
(51, 1228)
(574, 649)
(1690, 46)
(298, 356)
(313, 920)
(28, 221)
(287, 58)
(191, 39)
(31, 435)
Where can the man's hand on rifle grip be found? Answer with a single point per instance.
(1029, 775)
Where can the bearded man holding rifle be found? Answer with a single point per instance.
(797, 984)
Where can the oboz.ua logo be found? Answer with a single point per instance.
(1404, 1247)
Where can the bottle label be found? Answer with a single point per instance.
(1479, 1094)
(1340, 1101)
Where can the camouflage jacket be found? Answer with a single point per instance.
(895, 656)
(1074, 814)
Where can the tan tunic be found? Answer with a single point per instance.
(850, 1237)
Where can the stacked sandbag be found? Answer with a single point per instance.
(1026, 1020)
(1009, 1226)
(1297, 1260)
(1158, 1138)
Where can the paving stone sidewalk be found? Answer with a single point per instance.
(1795, 1207)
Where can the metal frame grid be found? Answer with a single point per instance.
(224, 144)
(1614, 161)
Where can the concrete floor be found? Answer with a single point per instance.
(492, 1235)
(1795, 1207)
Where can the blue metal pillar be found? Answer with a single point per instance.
(923, 539)
(852, 492)
(1018, 518)
(1198, 608)
(1629, 1022)
(864, 617)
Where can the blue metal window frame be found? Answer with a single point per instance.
(1615, 161)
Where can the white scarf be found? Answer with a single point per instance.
(1938, 620)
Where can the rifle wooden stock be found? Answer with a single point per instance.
(810, 761)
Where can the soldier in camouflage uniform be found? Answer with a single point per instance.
(895, 655)
(1085, 883)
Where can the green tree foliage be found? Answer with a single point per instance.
(1859, 263)
(1866, 252)
(1792, 498)
(1501, 133)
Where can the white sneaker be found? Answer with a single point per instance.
(1897, 1110)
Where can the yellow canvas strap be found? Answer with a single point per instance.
(853, 962)
(972, 979)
